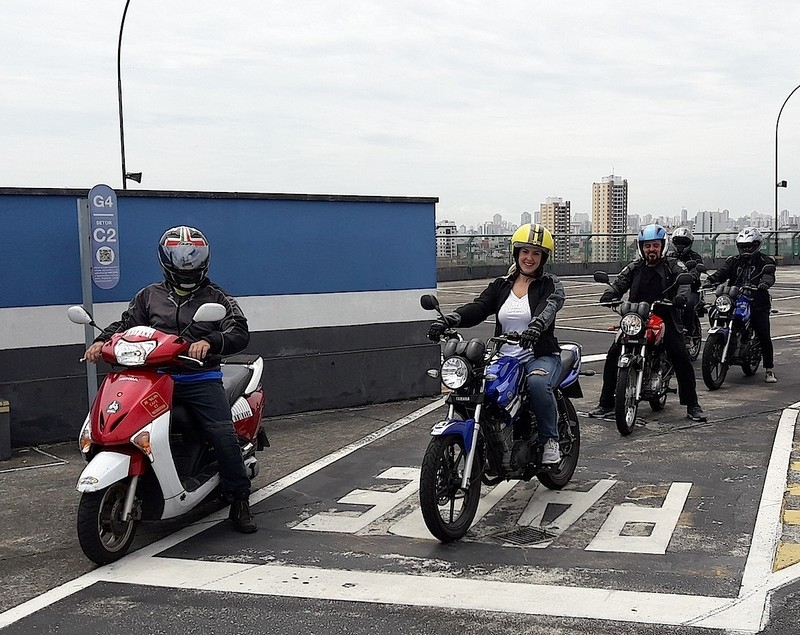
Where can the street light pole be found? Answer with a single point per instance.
(779, 183)
(119, 95)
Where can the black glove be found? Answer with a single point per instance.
(531, 334)
(679, 301)
(763, 286)
(607, 297)
(441, 325)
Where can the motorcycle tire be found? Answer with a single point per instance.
(104, 537)
(447, 509)
(694, 339)
(570, 442)
(714, 370)
(626, 406)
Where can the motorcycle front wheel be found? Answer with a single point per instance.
(570, 441)
(625, 403)
(447, 509)
(103, 535)
(714, 369)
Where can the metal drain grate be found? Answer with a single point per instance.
(525, 536)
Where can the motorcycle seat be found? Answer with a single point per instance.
(235, 379)
(570, 358)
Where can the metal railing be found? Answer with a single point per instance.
(471, 250)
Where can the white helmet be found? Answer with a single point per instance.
(748, 241)
(682, 239)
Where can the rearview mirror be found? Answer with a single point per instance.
(79, 315)
(210, 312)
(700, 267)
(429, 302)
(601, 276)
(684, 278)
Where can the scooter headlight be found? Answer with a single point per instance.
(85, 437)
(133, 353)
(723, 303)
(455, 372)
(631, 324)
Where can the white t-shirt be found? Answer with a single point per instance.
(515, 315)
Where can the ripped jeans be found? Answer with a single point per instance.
(540, 373)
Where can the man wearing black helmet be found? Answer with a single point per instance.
(682, 240)
(647, 279)
(169, 306)
(747, 269)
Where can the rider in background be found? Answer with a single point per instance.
(169, 305)
(526, 301)
(647, 278)
(682, 240)
(745, 269)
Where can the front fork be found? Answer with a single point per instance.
(727, 332)
(633, 362)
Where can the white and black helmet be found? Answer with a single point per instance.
(682, 239)
(748, 241)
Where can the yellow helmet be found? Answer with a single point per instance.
(532, 235)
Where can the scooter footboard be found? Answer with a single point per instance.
(104, 470)
(455, 426)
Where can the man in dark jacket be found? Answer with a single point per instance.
(647, 280)
(682, 240)
(748, 269)
(169, 306)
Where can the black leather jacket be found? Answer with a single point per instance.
(668, 269)
(545, 296)
(738, 270)
(159, 306)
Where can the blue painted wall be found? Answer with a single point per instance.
(260, 246)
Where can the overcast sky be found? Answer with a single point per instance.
(490, 106)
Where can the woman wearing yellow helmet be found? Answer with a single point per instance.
(526, 301)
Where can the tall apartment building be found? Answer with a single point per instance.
(610, 217)
(554, 214)
(446, 246)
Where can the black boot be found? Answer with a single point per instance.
(243, 520)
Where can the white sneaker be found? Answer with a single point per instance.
(771, 379)
(551, 453)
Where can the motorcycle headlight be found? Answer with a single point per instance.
(631, 324)
(455, 372)
(133, 353)
(723, 303)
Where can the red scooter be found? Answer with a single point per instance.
(146, 461)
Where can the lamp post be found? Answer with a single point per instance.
(134, 176)
(777, 182)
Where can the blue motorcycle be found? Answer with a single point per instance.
(489, 434)
(731, 339)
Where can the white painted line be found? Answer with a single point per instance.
(586, 359)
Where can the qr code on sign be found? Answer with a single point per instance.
(105, 255)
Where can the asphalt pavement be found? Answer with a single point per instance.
(313, 566)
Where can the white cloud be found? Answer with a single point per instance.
(490, 106)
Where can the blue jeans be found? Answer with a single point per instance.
(207, 402)
(541, 372)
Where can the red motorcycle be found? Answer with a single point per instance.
(146, 461)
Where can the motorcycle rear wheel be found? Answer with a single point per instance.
(103, 535)
(714, 370)
(626, 405)
(570, 449)
(447, 509)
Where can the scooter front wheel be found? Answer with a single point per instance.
(448, 510)
(103, 535)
